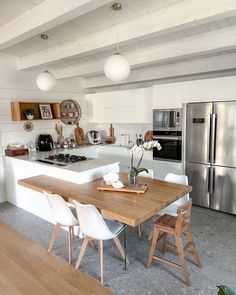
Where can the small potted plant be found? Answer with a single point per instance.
(29, 113)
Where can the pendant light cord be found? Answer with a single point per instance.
(117, 31)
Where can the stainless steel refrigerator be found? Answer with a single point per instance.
(211, 154)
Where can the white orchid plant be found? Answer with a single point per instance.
(140, 149)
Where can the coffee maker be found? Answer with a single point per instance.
(45, 142)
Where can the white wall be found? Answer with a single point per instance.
(119, 128)
(20, 86)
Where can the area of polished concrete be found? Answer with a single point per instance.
(214, 234)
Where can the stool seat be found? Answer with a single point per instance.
(166, 222)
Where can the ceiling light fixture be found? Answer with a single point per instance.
(45, 80)
(116, 67)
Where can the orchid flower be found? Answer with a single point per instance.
(136, 149)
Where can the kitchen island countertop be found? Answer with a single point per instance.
(82, 166)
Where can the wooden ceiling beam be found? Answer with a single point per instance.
(43, 17)
(182, 15)
(200, 45)
(208, 65)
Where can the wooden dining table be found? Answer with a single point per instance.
(129, 208)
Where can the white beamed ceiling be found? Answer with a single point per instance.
(160, 38)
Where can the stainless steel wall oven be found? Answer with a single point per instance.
(171, 142)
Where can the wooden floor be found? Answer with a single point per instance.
(26, 268)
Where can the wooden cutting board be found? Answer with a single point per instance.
(79, 135)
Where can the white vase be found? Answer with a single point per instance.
(30, 117)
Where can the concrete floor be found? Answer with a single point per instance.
(214, 234)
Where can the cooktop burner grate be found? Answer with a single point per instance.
(66, 158)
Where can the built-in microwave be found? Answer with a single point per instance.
(167, 119)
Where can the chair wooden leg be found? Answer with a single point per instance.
(54, 236)
(183, 264)
(139, 230)
(150, 235)
(92, 245)
(120, 248)
(101, 259)
(194, 251)
(82, 251)
(70, 243)
(154, 219)
(156, 232)
(164, 243)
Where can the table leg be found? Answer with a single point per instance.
(125, 246)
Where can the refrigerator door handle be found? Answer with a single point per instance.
(210, 139)
(209, 180)
(214, 137)
(213, 180)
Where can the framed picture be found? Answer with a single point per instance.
(45, 111)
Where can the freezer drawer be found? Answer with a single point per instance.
(223, 197)
(198, 178)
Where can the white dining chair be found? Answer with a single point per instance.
(173, 208)
(145, 174)
(63, 217)
(94, 227)
(148, 175)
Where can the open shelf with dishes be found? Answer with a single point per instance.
(42, 110)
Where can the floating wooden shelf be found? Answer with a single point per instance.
(18, 108)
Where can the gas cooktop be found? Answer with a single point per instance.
(62, 159)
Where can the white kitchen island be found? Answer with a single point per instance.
(26, 166)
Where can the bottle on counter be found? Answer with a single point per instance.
(111, 131)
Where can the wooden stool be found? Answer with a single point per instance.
(175, 226)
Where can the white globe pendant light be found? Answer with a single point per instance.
(45, 80)
(116, 67)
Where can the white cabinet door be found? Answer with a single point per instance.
(143, 105)
(95, 108)
(220, 89)
(167, 96)
(127, 106)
